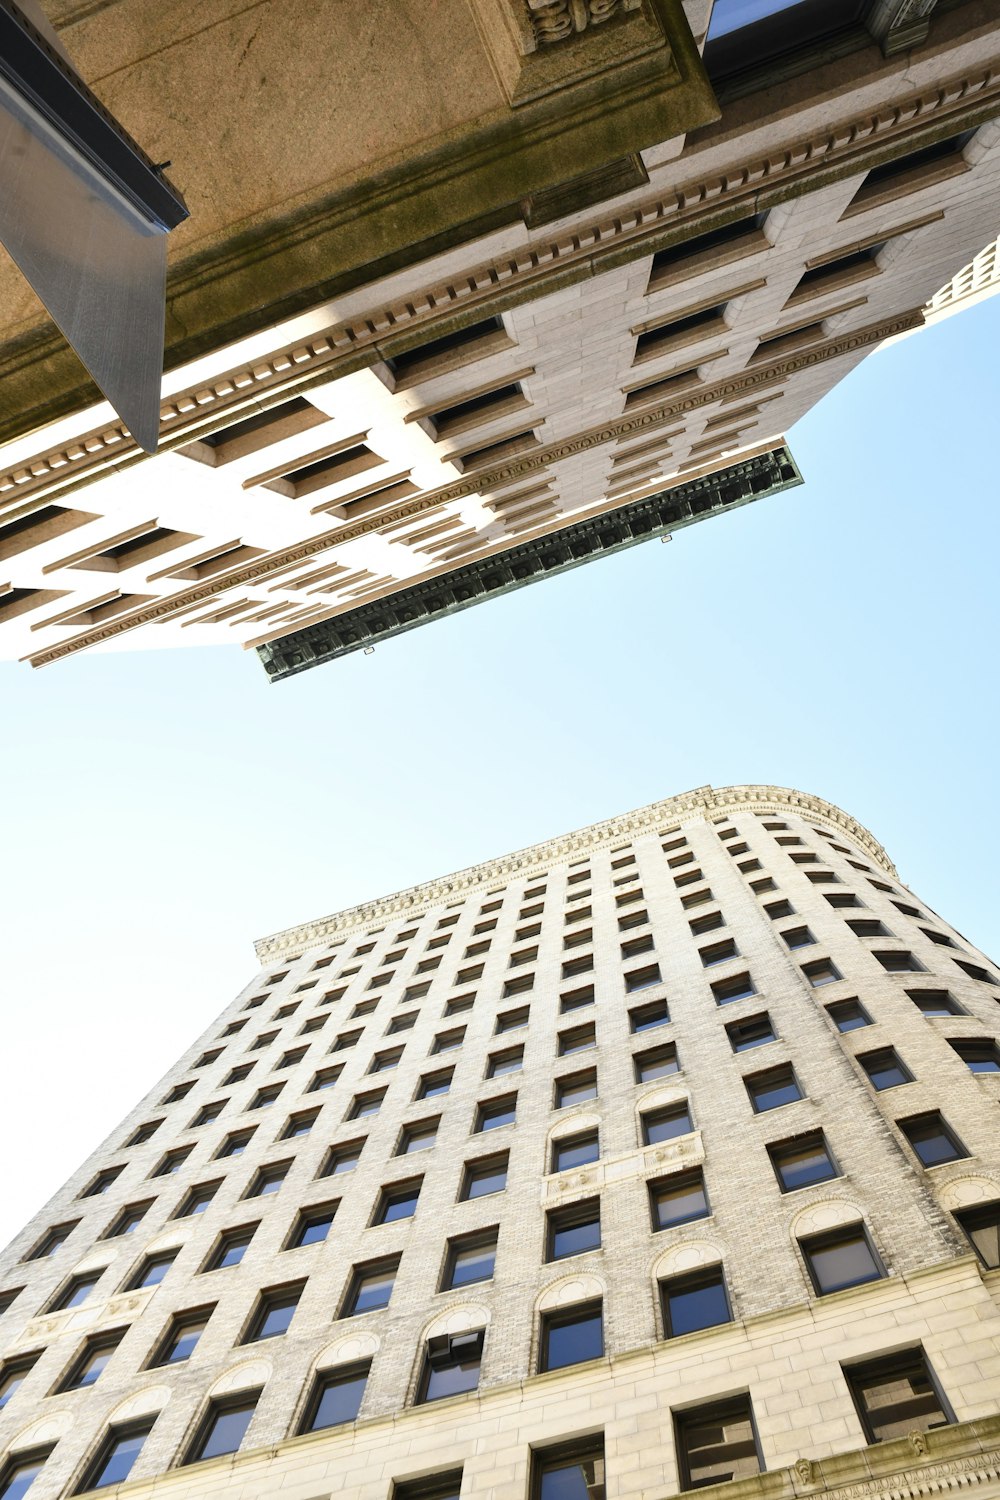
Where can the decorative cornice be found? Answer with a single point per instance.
(500, 572)
(484, 480)
(639, 230)
(705, 801)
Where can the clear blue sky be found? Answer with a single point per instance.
(161, 810)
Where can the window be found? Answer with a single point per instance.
(171, 1162)
(869, 927)
(581, 965)
(102, 1182)
(197, 1199)
(772, 1089)
(512, 1020)
(848, 1015)
(572, 1000)
(569, 1471)
(384, 1062)
(716, 1443)
(821, 971)
(708, 923)
(405, 1022)
(19, 1472)
(266, 1096)
(935, 1003)
(8, 1297)
(90, 1363)
(678, 1199)
(666, 1123)
(898, 962)
(230, 1248)
(470, 1259)
(841, 1258)
(181, 1091)
(932, 1141)
(224, 1426)
(345, 1040)
(336, 1397)
(76, 1291)
(979, 1055)
(312, 1226)
(485, 1175)
(268, 1180)
(579, 1039)
(52, 1240)
(237, 1143)
(838, 899)
(570, 1336)
(981, 1226)
(451, 1365)
(398, 1201)
(290, 1058)
(144, 1133)
(237, 1075)
(976, 971)
(802, 1161)
(448, 1041)
(511, 1061)
(365, 1105)
(575, 1150)
(574, 1230)
(575, 1088)
(577, 939)
(755, 1031)
(433, 1084)
(496, 1112)
(884, 1068)
(645, 1017)
(739, 987)
(641, 979)
(762, 885)
(458, 1004)
(370, 1286)
(12, 1374)
(637, 945)
(299, 1125)
(273, 1313)
(151, 1270)
(695, 1301)
(798, 937)
(182, 1335)
(208, 1113)
(518, 986)
(718, 953)
(657, 1062)
(696, 898)
(116, 1455)
(896, 1395)
(340, 1159)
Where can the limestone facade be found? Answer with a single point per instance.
(584, 991)
(608, 337)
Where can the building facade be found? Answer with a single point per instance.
(663, 291)
(659, 1156)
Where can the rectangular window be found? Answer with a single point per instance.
(575, 1088)
(840, 1258)
(365, 1105)
(370, 1287)
(755, 1031)
(19, 1472)
(821, 971)
(182, 1335)
(451, 1365)
(500, 1063)
(571, 1000)
(485, 1175)
(433, 1084)
(678, 1199)
(448, 1041)
(224, 1426)
(75, 1292)
(398, 1201)
(90, 1364)
(230, 1248)
(848, 1015)
(935, 1003)
(739, 987)
(495, 1113)
(343, 1158)
(641, 979)
(574, 1230)
(116, 1456)
(696, 898)
(336, 1397)
(798, 937)
(718, 953)
(128, 1219)
(312, 1225)
(646, 1017)
(896, 1395)
(569, 1471)
(511, 1020)
(264, 1098)
(102, 1182)
(981, 1226)
(666, 1124)
(470, 1259)
(656, 1062)
(420, 1135)
(13, 1373)
(978, 1054)
(717, 1443)
(693, 1302)
(976, 971)
(299, 1125)
(637, 945)
(802, 1161)
(708, 923)
(570, 1151)
(52, 1240)
(273, 1314)
(151, 1270)
(932, 1141)
(268, 1180)
(885, 1069)
(571, 1336)
(384, 1062)
(901, 962)
(772, 1089)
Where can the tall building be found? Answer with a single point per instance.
(658, 1156)
(450, 324)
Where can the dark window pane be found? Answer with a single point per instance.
(665, 1124)
(575, 1151)
(896, 1396)
(717, 1443)
(484, 1178)
(800, 1163)
(472, 1262)
(884, 1069)
(658, 1062)
(840, 1259)
(982, 1226)
(373, 1289)
(931, 1139)
(117, 1457)
(848, 1015)
(572, 1231)
(579, 1477)
(15, 1480)
(569, 1338)
(226, 1428)
(772, 1089)
(275, 1316)
(337, 1399)
(677, 1200)
(693, 1302)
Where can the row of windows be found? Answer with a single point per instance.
(715, 1442)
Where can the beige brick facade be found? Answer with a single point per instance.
(785, 1346)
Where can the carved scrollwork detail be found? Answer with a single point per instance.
(559, 20)
(805, 1471)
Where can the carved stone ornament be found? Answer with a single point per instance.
(917, 1442)
(805, 1471)
(559, 20)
